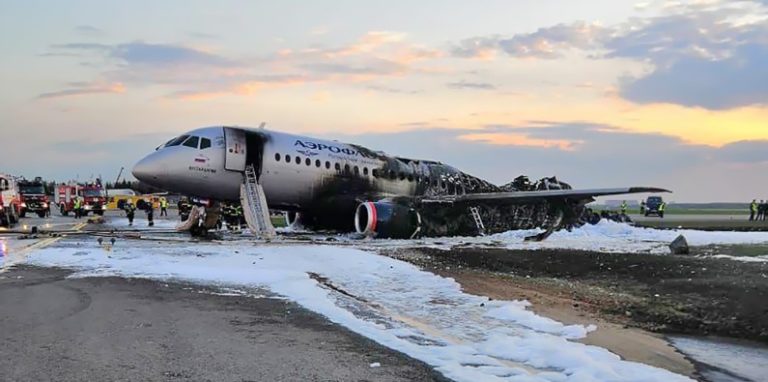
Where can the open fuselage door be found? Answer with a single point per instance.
(235, 156)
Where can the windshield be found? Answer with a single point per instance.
(39, 189)
(94, 193)
(176, 141)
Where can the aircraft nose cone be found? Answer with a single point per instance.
(148, 170)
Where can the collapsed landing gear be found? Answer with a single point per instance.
(554, 225)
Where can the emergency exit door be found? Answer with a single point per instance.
(234, 159)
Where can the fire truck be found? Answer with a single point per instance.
(10, 201)
(33, 197)
(92, 195)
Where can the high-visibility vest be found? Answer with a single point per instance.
(77, 203)
(164, 203)
(754, 207)
(662, 207)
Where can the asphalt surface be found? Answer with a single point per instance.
(54, 328)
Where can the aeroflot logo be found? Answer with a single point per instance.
(319, 146)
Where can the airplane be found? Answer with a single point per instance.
(328, 185)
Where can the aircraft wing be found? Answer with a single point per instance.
(521, 197)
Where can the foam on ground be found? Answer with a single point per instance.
(428, 317)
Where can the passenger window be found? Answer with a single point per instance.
(375, 173)
(205, 143)
(192, 142)
(327, 164)
(402, 175)
(308, 162)
(298, 160)
(177, 141)
(365, 171)
(410, 178)
(346, 168)
(357, 171)
(317, 163)
(287, 159)
(277, 157)
(337, 167)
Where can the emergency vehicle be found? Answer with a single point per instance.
(33, 197)
(92, 195)
(10, 201)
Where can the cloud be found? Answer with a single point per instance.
(471, 85)
(546, 43)
(84, 88)
(713, 84)
(745, 152)
(193, 74)
(88, 30)
(707, 54)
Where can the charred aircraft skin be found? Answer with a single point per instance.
(345, 187)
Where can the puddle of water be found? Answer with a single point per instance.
(726, 360)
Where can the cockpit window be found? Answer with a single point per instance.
(176, 141)
(192, 142)
(205, 143)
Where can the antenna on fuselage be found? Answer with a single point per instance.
(261, 127)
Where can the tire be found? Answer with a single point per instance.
(4, 220)
(23, 213)
(100, 212)
(41, 214)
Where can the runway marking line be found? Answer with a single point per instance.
(16, 256)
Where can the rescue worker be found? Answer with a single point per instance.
(150, 210)
(662, 207)
(624, 207)
(130, 211)
(642, 207)
(753, 210)
(240, 218)
(760, 211)
(228, 214)
(184, 208)
(76, 207)
(163, 207)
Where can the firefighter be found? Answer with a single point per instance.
(76, 207)
(239, 217)
(149, 208)
(662, 207)
(642, 207)
(228, 214)
(760, 210)
(753, 210)
(624, 207)
(184, 208)
(130, 211)
(163, 207)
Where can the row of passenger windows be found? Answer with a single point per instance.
(356, 170)
(192, 141)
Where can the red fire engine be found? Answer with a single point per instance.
(33, 197)
(92, 197)
(10, 201)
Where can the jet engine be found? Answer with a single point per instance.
(387, 220)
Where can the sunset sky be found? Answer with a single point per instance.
(600, 93)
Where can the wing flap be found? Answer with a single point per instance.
(520, 197)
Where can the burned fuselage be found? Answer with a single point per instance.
(336, 186)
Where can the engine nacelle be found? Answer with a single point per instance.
(387, 220)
